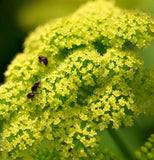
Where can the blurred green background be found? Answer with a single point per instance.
(19, 17)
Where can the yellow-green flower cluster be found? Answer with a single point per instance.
(146, 151)
(91, 82)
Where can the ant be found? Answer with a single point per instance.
(133, 69)
(31, 95)
(70, 149)
(35, 86)
(43, 59)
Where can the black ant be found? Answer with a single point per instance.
(35, 86)
(70, 149)
(43, 59)
(31, 95)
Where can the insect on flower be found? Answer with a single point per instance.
(70, 149)
(43, 59)
(133, 69)
(35, 86)
(31, 95)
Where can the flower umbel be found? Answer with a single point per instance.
(91, 82)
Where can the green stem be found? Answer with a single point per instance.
(121, 144)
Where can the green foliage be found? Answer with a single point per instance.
(36, 12)
(94, 80)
